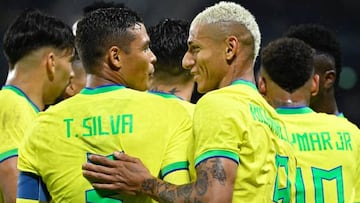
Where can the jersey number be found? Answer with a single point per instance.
(92, 196)
(320, 175)
(282, 164)
(95, 196)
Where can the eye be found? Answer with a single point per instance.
(146, 48)
(194, 49)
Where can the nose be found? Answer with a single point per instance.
(72, 73)
(188, 61)
(153, 58)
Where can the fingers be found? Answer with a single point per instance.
(124, 157)
(119, 187)
(96, 177)
(101, 160)
(98, 168)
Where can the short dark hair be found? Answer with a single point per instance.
(101, 29)
(101, 4)
(322, 39)
(288, 62)
(169, 44)
(33, 29)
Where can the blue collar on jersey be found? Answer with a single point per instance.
(101, 89)
(244, 82)
(340, 114)
(294, 110)
(164, 94)
(21, 93)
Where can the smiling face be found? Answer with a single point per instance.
(205, 57)
(137, 64)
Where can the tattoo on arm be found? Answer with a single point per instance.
(217, 171)
(166, 192)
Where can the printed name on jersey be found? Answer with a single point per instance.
(318, 141)
(99, 125)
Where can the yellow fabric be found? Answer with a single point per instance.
(190, 107)
(101, 121)
(16, 114)
(236, 122)
(328, 152)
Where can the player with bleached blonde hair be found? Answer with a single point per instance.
(238, 153)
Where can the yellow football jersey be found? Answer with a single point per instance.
(190, 107)
(235, 122)
(17, 111)
(101, 121)
(327, 148)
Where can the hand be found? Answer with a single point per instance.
(124, 175)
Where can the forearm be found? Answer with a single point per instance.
(166, 192)
(8, 179)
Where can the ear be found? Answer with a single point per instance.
(114, 58)
(262, 85)
(329, 78)
(315, 85)
(50, 65)
(231, 47)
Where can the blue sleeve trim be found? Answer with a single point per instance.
(30, 186)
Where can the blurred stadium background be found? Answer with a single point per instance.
(274, 17)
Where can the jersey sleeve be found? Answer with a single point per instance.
(29, 150)
(175, 165)
(216, 133)
(14, 125)
(357, 178)
(31, 189)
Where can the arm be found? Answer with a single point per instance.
(8, 178)
(216, 177)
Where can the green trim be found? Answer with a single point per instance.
(217, 153)
(244, 82)
(19, 92)
(8, 154)
(165, 95)
(294, 110)
(183, 165)
(101, 89)
(341, 115)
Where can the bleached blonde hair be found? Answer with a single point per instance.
(231, 12)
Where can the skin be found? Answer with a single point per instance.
(325, 100)
(179, 88)
(77, 80)
(8, 175)
(44, 82)
(215, 59)
(133, 70)
(278, 97)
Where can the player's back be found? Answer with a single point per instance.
(101, 121)
(16, 113)
(190, 107)
(327, 150)
(245, 124)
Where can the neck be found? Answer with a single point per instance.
(183, 91)
(283, 98)
(31, 81)
(325, 105)
(93, 80)
(242, 70)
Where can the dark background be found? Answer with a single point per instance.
(273, 17)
